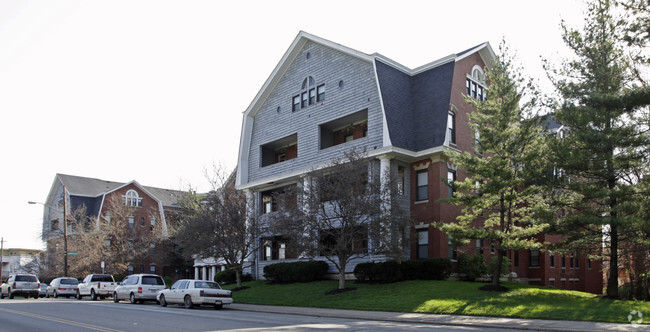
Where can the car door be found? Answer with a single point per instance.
(122, 290)
(172, 295)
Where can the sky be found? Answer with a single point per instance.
(154, 91)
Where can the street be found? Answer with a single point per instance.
(73, 315)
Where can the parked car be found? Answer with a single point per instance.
(20, 284)
(139, 288)
(42, 290)
(63, 286)
(191, 293)
(96, 286)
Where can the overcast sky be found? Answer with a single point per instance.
(154, 91)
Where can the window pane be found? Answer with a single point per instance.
(320, 91)
(312, 96)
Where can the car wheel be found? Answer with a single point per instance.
(36, 296)
(47, 295)
(132, 298)
(218, 306)
(78, 295)
(2, 295)
(11, 295)
(115, 299)
(188, 302)
(93, 296)
(163, 302)
(55, 295)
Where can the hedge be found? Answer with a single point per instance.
(392, 271)
(296, 271)
(229, 276)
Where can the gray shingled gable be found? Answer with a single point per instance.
(416, 106)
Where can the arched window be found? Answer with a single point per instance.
(475, 83)
(309, 95)
(132, 198)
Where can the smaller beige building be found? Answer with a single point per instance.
(16, 260)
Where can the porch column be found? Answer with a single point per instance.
(204, 275)
(196, 272)
(214, 272)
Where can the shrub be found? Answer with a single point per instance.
(296, 272)
(473, 266)
(363, 271)
(505, 266)
(389, 271)
(426, 269)
(168, 281)
(229, 276)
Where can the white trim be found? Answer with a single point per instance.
(385, 134)
(372, 154)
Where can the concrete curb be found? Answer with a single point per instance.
(440, 319)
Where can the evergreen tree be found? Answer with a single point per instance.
(607, 139)
(501, 199)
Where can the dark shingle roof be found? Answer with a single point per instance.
(91, 187)
(416, 106)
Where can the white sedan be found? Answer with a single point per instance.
(190, 293)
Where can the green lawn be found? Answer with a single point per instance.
(445, 297)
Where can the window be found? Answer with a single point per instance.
(475, 84)
(571, 260)
(142, 268)
(309, 96)
(451, 127)
(452, 253)
(345, 129)
(152, 269)
(142, 221)
(423, 243)
(477, 139)
(400, 180)
(152, 222)
(534, 258)
(357, 242)
(422, 183)
(551, 260)
(129, 269)
(451, 177)
(479, 246)
(132, 198)
(279, 150)
(55, 225)
(131, 222)
(276, 248)
(152, 248)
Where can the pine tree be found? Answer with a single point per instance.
(501, 199)
(606, 141)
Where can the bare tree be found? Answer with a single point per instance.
(343, 212)
(111, 239)
(218, 224)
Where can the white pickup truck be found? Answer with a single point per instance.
(96, 286)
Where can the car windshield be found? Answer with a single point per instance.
(149, 280)
(69, 281)
(206, 284)
(26, 278)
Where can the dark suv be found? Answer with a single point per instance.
(20, 284)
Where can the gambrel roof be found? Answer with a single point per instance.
(414, 102)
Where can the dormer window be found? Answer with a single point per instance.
(310, 95)
(132, 198)
(475, 84)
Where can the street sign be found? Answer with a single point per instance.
(73, 253)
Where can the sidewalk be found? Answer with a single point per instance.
(474, 321)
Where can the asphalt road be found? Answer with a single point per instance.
(23, 315)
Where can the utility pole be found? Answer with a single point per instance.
(2, 253)
(65, 235)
